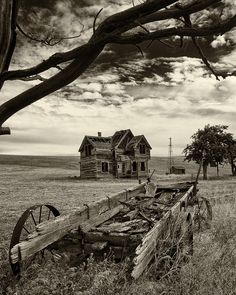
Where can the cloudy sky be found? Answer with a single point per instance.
(168, 92)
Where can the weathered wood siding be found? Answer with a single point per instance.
(88, 167)
(88, 164)
(104, 156)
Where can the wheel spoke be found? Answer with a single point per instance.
(32, 215)
(49, 213)
(28, 232)
(40, 213)
(24, 227)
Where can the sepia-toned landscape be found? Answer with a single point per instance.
(28, 180)
(117, 147)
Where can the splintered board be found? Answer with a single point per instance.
(85, 216)
(137, 226)
(128, 223)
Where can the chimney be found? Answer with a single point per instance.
(99, 134)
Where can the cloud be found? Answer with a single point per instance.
(164, 94)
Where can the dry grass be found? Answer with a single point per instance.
(212, 270)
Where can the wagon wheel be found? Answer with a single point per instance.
(182, 236)
(202, 214)
(25, 226)
(177, 246)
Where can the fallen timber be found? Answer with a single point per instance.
(130, 222)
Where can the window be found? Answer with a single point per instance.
(134, 166)
(143, 168)
(104, 167)
(88, 150)
(142, 149)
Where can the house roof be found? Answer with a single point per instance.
(118, 137)
(136, 140)
(121, 136)
(97, 142)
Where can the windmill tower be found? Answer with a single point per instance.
(170, 157)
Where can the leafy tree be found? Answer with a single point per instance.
(146, 21)
(210, 146)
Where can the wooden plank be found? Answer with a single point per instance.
(98, 246)
(121, 226)
(130, 215)
(145, 251)
(97, 220)
(119, 239)
(50, 231)
(150, 189)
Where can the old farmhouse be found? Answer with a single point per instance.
(120, 155)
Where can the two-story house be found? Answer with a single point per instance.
(120, 155)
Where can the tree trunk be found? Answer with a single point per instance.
(232, 164)
(217, 169)
(233, 168)
(8, 14)
(204, 168)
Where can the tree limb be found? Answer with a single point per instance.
(95, 19)
(176, 12)
(52, 41)
(112, 21)
(203, 57)
(63, 78)
(176, 31)
(52, 61)
(109, 31)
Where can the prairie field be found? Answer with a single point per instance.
(30, 180)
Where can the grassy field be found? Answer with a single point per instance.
(27, 180)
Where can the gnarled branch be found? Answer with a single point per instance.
(115, 29)
(50, 41)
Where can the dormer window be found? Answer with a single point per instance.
(142, 149)
(88, 150)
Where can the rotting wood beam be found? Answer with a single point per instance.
(146, 250)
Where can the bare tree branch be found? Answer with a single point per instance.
(62, 78)
(58, 58)
(219, 29)
(49, 41)
(203, 57)
(173, 12)
(176, 12)
(33, 78)
(95, 19)
(115, 29)
(52, 61)
(139, 49)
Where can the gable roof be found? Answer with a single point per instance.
(119, 136)
(97, 142)
(136, 140)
